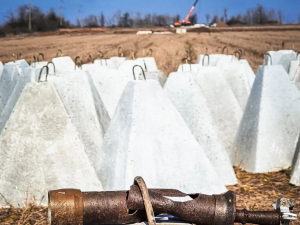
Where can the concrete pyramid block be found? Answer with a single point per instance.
(295, 176)
(185, 94)
(126, 69)
(188, 68)
(295, 73)
(30, 75)
(1, 68)
(147, 137)
(270, 124)
(225, 109)
(89, 67)
(21, 65)
(250, 75)
(148, 62)
(40, 149)
(8, 81)
(238, 80)
(215, 59)
(109, 86)
(63, 64)
(90, 119)
(42, 64)
(282, 57)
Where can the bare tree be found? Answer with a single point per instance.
(280, 16)
(207, 18)
(225, 14)
(102, 20)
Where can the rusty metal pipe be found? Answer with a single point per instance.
(123, 207)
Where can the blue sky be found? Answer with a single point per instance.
(290, 8)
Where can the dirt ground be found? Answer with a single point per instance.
(168, 50)
(254, 192)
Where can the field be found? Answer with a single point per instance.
(168, 50)
(256, 192)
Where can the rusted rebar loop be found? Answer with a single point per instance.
(89, 60)
(219, 49)
(268, 54)
(120, 54)
(34, 61)
(203, 60)
(185, 60)
(141, 69)
(133, 54)
(236, 54)
(59, 53)
(100, 54)
(223, 50)
(146, 68)
(47, 72)
(283, 45)
(149, 52)
(53, 67)
(139, 181)
(19, 56)
(78, 64)
(241, 51)
(42, 55)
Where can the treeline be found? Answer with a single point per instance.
(126, 19)
(18, 22)
(255, 16)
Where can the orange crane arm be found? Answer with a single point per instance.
(191, 11)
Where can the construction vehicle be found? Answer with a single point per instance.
(186, 21)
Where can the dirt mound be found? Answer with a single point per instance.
(221, 24)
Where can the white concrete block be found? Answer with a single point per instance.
(237, 79)
(147, 137)
(1, 68)
(225, 108)
(282, 57)
(30, 75)
(180, 31)
(295, 175)
(40, 150)
(144, 32)
(8, 81)
(76, 94)
(295, 72)
(189, 68)
(110, 86)
(270, 124)
(185, 94)
(215, 59)
(63, 64)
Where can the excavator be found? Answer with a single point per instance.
(186, 22)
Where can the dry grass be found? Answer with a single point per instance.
(168, 50)
(254, 192)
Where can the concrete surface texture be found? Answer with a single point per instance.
(185, 94)
(63, 64)
(89, 67)
(225, 109)
(237, 79)
(295, 175)
(110, 86)
(40, 150)
(147, 137)
(8, 81)
(30, 75)
(215, 59)
(21, 65)
(270, 124)
(188, 68)
(77, 96)
(149, 67)
(295, 72)
(42, 64)
(1, 68)
(282, 57)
